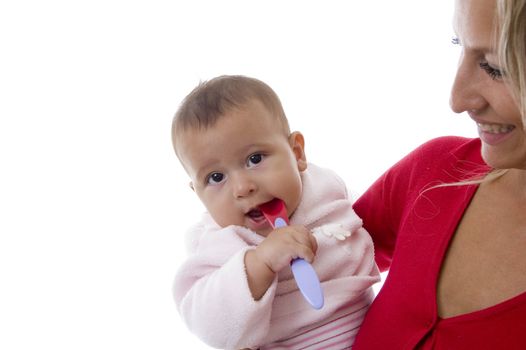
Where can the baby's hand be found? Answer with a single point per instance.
(285, 244)
(276, 252)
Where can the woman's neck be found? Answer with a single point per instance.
(513, 183)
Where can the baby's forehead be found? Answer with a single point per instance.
(236, 131)
(201, 123)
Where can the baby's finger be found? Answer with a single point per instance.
(305, 252)
(307, 238)
(314, 243)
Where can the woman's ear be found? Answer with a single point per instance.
(297, 144)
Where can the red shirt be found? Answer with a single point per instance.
(411, 230)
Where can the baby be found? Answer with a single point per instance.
(236, 289)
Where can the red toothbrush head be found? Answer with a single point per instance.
(273, 210)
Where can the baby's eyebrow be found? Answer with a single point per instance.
(202, 173)
(204, 169)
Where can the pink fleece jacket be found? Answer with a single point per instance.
(212, 293)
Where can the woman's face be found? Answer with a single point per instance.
(481, 90)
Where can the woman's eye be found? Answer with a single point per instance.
(494, 73)
(254, 159)
(215, 178)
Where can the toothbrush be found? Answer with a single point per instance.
(305, 276)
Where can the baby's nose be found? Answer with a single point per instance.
(243, 186)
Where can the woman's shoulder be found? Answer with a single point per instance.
(446, 146)
(452, 144)
(444, 159)
(443, 150)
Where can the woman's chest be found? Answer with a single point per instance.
(485, 262)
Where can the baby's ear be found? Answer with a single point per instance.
(191, 185)
(297, 144)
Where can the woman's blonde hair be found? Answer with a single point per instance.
(510, 36)
(511, 47)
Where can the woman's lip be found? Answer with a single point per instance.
(480, 120)
(493, 134)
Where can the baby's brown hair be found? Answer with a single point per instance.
(212, 99)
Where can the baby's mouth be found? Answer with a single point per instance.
(255, 214)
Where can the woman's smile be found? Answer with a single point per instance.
(493, 134)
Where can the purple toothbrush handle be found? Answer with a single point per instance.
(305, 276)
(308, 282)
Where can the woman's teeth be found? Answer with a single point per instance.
(495, 128)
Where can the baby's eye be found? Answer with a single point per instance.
(215, 178)
(254, 159)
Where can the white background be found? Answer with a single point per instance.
(93, 202)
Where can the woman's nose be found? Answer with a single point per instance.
(243, 185)
(467, 90)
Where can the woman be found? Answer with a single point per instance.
(449, 220)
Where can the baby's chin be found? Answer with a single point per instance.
(264, 232)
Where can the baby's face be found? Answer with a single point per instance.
(241, 162)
